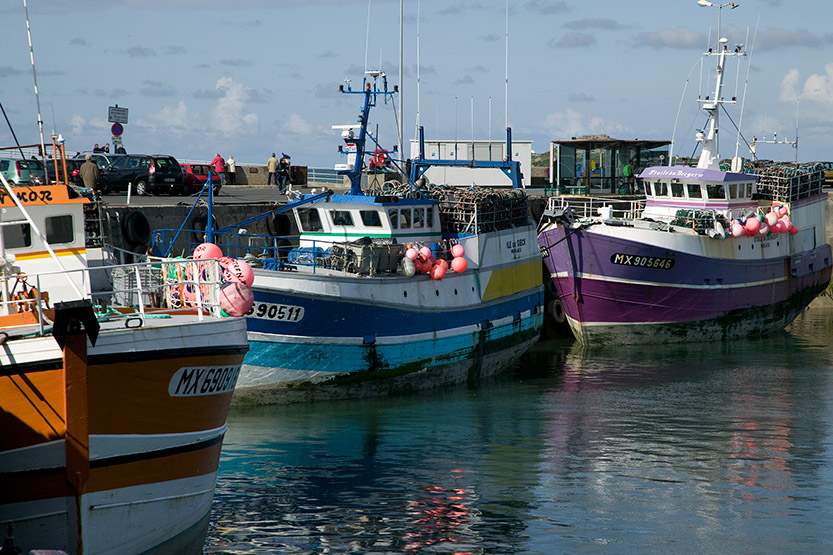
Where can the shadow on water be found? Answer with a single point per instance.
(682, 448)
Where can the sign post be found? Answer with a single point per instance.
(116, 114)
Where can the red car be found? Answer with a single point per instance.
(196, 175)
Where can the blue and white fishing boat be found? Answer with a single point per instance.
(337, 313)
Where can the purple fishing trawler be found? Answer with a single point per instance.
(708, 254)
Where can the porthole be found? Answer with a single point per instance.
(406, 293)
(437, 291)
(455, 291)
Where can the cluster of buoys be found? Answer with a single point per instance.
(777, 220)
(236, 297)
(422, 261)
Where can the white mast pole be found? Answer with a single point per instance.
(401, 50)
(37, 97)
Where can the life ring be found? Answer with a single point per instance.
(198, 226)
(135, 228)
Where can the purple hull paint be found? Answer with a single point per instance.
(697, 296)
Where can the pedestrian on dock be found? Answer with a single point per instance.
(218, 166)
(230, 169)
(627, 173)
(272, 168)
(90, 174)
(283, 175)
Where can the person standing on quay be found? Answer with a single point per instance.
(272, 167)
(218, 165)
(90, 173)
(283, 176)
(230, 169)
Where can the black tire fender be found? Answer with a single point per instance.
(135, 228)
(198, 226)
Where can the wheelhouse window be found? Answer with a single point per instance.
(309, 219)
(370, 218)
(405, 218)
(694, 190)
(429, 217)
(17, 236)
(716, 192)
(59, 230)
(660, 189)
(677, 190)
(393, 216)
(341, 217)
(419, 217)
(733, 190)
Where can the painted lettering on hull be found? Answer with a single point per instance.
(195, 381)
(642, 261)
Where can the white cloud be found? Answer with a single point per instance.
(816, 90)
(176, 120)
(297, 125)
(573, 124)
(228, 115)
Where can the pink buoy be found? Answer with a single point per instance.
(225, 261)
(236, 298)
(750, 233)
(425, 252)
(442, 262)
(240, 271)
(782, 210)
(752, 224)
(437, 272)
(763, 229)
(737, 230)
(458, 250)
(793, 229)
(780, 227)
(207, 250)
(459, 264)
(771, 219)
(189, 294)
(411, 253)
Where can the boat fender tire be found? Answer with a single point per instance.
(279, 225)
(135, 228)
(555, 309)
(198, 225)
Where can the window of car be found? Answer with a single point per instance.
(120, 164)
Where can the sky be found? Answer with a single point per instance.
(252, 77)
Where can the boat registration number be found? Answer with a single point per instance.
(279, 312)
(642, 261)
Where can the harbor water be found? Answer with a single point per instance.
(694, 448)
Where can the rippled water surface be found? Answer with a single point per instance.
(717, 448)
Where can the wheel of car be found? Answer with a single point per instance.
(141, 187)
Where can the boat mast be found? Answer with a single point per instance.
(710, 155)
(37, 96)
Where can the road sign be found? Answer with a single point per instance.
(117, 129)
(116, 114)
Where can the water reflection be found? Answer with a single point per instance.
(683, 448)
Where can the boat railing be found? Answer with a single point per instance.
(156, 288)
(585, 208)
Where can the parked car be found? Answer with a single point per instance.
(149, 174)
(74, 171)
(101, 159)
(15, 170)
(200, 173)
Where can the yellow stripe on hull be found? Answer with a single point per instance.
(512, 280)
(45, 254)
